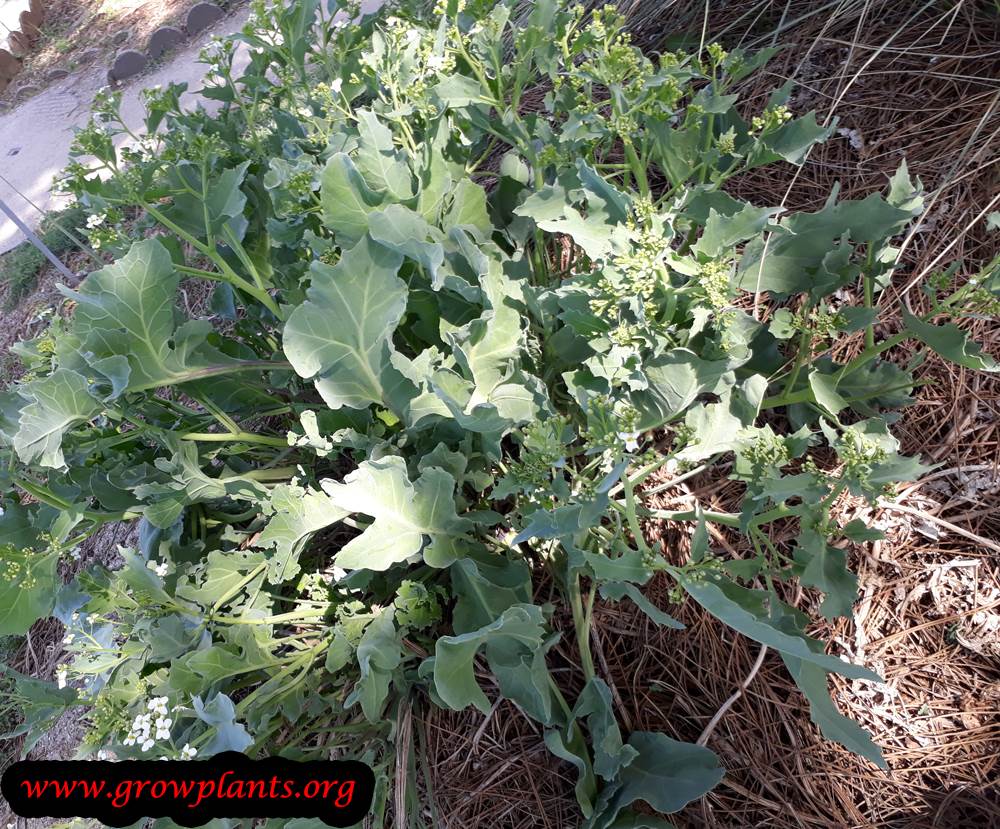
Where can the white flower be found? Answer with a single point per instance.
(157, 705)
(61, 676)
(631, 440)
(92, 619)
(188, 751)
(336, 85)
(129, 740)
(75, 554)
(105, 755)
(96, 220)
(147, 745)
(68, 638)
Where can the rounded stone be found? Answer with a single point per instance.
(19, 44)
(119, 37)
(31, 24)
(9, 65)
(163, 39)
(27, 91)
(57, 75)
(202, 16)
(129, 62)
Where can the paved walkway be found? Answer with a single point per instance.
(35, 137)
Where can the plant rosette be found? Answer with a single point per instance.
(471, 277)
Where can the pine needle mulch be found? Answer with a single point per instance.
(913, 80)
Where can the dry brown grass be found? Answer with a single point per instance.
(915, 80)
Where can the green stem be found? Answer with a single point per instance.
(638, 169)
(869, 283)
(212, 371)
(581, 624)
(236, 437)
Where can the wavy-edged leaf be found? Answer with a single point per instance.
(666, 774)
(58, 403)
(383, 167)
(126, 310)
(675, 380)
(747, 611)
(410, 517)
(811, 679)
(454, 660)
(951, 342)
(299, 513)
(346, 200)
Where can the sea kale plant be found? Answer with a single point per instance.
(403, 317)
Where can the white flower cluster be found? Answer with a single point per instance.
(145, 731)
(96, 220)
(158, 567)
(61, 672)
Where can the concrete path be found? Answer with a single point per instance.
(35, 137)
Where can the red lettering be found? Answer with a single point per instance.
(345, 793)
(202, 794)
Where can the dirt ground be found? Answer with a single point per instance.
(84, 34)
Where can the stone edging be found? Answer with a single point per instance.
(130, 62)
(127, 63)
(21, 41)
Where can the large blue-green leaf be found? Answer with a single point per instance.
(454, 660)
(125, 321)
(340, 337)
(665, 773)
(347, 200)
(378, 160)
(220, 714)
(675, 380)
(57, 404)
(410, 516)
